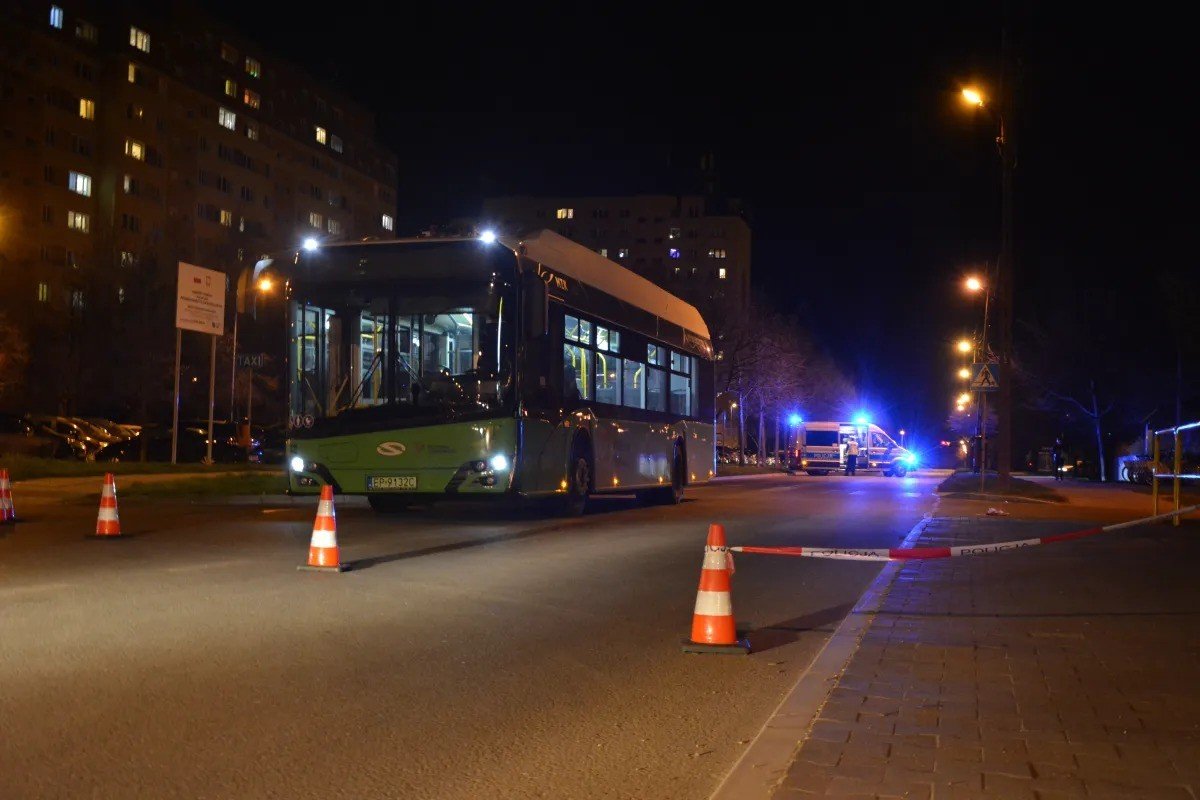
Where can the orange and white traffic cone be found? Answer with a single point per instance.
(7, 512)
(108, 524)
(323, 547)
(713, 629)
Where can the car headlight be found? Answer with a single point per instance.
(499, 462)
(297, 464)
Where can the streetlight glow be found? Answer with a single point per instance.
(972, 96)
(964, 373)
(964, 346)
(973, 284)
(964, 398)
(265, 284)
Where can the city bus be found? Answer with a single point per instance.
(521, 367)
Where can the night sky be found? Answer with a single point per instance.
(842, 130)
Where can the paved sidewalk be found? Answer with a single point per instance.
(1064, 671)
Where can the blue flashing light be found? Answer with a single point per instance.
(911, 460)
(861, 419)
(794, 420)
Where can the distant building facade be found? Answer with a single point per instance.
(682, 243)
(133, 139)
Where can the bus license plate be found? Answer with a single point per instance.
(392, 483)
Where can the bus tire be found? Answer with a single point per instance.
(670, 495)
(388, 503)
(579, 477)
(814, 472)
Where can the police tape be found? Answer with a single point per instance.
(916, 553)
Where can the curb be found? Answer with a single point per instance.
(756, 775)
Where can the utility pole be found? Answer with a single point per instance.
(1006, 142)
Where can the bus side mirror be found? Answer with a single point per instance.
(535, 306)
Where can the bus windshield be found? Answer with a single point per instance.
(400, 353)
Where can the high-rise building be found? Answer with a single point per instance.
(685, 244)
(135, 136)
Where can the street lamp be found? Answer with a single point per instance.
(1003, 115)
(265, 284)
(964, 373)
(973, 284)
(964, 346)
(964, 398)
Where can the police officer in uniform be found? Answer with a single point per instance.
(851, 455)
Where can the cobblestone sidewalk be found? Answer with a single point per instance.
(1065, 671)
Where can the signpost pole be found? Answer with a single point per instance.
(983, 443)
(212, 396)
(233, 369)
(250, 402)
(175, 405)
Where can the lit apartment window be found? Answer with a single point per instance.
(252, 131)
(87, 108)
(120, 294)
(133, 72)
(721, 273)
(127, 259)
(56, 17)
(226, 218)
(335, 142)
(43, 293)
(139, 38)
(230, 88)
(387, 222)
(335, 227)
(135, 149)
(604, 252)
(79, 183)
(315, 219)
(252, 99)
(673, 252)
(320, 134)
(565, 213)
(86, 31)
(253, 68)
(227, 118)
(228, 53)
(623, 252)
(77, 299)
(78, 221)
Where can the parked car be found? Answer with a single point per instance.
(19, 435)
(116, 430)
(77, 441)
(192, 448)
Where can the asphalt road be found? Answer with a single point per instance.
(470, 653)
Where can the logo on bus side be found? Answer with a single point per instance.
(551, 279)
(390, 449)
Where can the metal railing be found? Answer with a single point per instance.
(1175, 475)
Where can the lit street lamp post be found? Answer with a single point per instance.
(1004, 116)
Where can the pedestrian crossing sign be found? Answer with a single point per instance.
(985, 378)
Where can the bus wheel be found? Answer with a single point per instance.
(673, 494)
(814, 472)
(579, 479)
(388, 503)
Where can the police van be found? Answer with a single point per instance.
(821, 449)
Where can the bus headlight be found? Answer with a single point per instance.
(297, 464)
(499, 462)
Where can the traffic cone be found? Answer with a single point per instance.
(713, 629)
(7, 512)
(108, 524)
(323, 547)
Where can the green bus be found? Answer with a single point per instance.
(530, 367)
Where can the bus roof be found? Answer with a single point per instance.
(578, 262)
